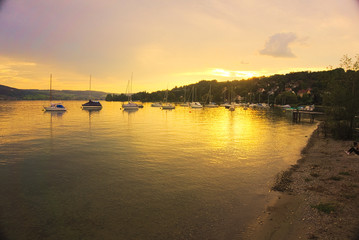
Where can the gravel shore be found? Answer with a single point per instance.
(319, 196)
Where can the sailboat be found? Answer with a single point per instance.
(54, 106)
(156, 104)
(130, 106)
(91, 105)
(210, 103)
(165, 105)
(185, 102)
(232, 106)
(195, 104)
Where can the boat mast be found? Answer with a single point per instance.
(90, 88)
(131, 87)
(184, 98)
(192, 93)
(50, 88)
(209, 96)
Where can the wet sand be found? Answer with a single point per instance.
(318, 198)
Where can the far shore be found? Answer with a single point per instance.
(319, 196)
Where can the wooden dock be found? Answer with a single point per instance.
(297, 115)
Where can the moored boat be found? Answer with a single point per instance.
(156, 104)
(211, 105)
(92, 105)
(130, 106)
(54, 106)
(196, 105)
(168, 106)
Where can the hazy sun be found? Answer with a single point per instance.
(235, 74)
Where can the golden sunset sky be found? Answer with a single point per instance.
(167, 43)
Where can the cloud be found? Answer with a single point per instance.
(278, 45)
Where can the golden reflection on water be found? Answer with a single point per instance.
(216, 129)
(151, 165)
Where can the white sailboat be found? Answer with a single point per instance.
(54, 106)
(166, 105)
(130, 106)
(185, 102)
(194, 104)
(210, 103)
(156, 104)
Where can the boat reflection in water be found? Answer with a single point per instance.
(55, 113)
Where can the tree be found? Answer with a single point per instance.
(342, 98)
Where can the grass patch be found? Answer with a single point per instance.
(344, 173)
(314, 175)
(350, 196)
(318, 189)
(312, 237)
(325, 207)
(335, 178)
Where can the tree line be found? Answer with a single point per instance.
(300, 88)
(337, 90)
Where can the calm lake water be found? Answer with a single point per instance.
(149, 174)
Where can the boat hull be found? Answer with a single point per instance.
(168, 107)
(58, 107)
(156, 105)
(54, 109)
(130, 106)
(211, 106)
(196, 105)
(92, 107)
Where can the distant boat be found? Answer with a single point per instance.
(185, 104)
(169, 106)
(130, 106)
(156, 104)
(54, 106)
(166, 105)
(210, 104)
(194, 104)
(91, 105)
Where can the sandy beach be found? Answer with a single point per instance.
(317, 198)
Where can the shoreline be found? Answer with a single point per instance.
(318, 197)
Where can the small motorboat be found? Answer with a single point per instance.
(196, 105)
(55, 107)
